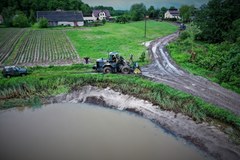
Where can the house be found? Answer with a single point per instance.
(66, 18)
(1, 19)
(173, 13)
(101, 14)
(89, 18)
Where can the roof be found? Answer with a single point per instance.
(68, 16)
(113, 53)
(96, 13)
(174, 12)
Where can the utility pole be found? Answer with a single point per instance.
(145, 33)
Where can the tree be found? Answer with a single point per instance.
(193, 30)
(186, 12)
(163, 10)
(8, 14)
(216, 19)
(151, 12)
(172, 8)
(20, 20)
(86, 9)
(32, 18)
(138, 12)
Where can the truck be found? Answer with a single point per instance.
(10, 71)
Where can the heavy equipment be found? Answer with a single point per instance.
(116, 64)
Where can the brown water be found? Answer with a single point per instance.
(86, 132)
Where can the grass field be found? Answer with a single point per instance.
(57, 46)
(126, 39)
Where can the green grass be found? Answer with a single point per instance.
(179, 53)
(96, 42)
(182, 57)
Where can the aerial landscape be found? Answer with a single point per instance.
(94, 79)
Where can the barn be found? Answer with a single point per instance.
(65, 18)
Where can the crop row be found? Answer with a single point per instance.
(45, 46)
(8, 40)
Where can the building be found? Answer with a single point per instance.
(171, 14)
(89, 18)
(65, 18)
(101, 14)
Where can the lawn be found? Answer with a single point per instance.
(96, 42)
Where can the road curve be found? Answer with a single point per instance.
(164, 70)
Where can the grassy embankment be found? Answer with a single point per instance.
(45, 82)
(213, 61)
(96, 42)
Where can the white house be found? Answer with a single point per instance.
(101, 14)
(55, 18)
(174, 13)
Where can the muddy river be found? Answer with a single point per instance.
(83, 131)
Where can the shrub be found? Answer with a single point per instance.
(20, 21)
(43, 23)
(184, 35)
(142, 57)
(104, 21)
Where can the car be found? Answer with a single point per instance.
(10, 71)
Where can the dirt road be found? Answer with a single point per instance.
(163, 69)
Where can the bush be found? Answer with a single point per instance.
(123, 19)
(20, 21)
(104, 21)
(142, 57)
(43, 23)
(184, 35)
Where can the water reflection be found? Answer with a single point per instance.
(81, 131)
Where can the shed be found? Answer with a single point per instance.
(55, 18)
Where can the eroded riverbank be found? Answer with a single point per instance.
(207, 137)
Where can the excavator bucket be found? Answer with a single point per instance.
(137, 71)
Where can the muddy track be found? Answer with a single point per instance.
(163, 69)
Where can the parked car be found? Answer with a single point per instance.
(10, 71)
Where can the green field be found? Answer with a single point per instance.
(45, 46)
(64, 45)
(126, 39)
(8, 40)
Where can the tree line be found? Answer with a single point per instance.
(25, 10)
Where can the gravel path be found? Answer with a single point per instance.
(163, 69)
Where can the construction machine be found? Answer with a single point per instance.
(116, 64)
